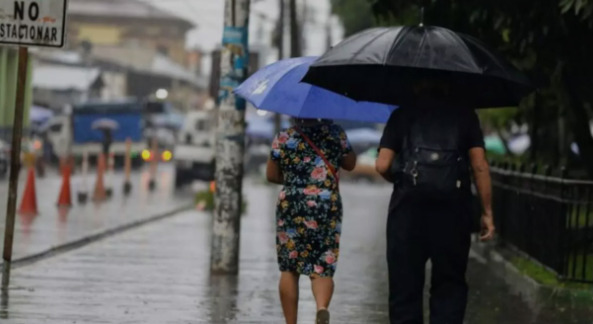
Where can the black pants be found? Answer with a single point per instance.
(418, 230)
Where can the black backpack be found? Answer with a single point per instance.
(433, 162)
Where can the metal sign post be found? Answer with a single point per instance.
(25, 23)
(15, 164)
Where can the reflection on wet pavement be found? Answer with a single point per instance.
(159, 274)
(57, 226)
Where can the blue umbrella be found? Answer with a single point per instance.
(39, 114)
(277, 88)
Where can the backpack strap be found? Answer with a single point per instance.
(330, 167)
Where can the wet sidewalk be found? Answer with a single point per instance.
(159, 273)
(51, 228)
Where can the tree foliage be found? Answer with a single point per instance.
(356, 15)
(550, 40)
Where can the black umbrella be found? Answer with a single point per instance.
(383, 65)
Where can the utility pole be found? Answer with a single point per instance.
(280, 40)
(230, 140)
(295, 37)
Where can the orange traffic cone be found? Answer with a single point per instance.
(65, 198)
(212, 186)
(100, 194)
(29, 202)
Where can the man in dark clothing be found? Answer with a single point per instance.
(431, 226)
(107, 140)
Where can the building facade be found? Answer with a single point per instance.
(119, 29)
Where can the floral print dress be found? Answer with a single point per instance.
(309, 211)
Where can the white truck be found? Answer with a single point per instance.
(194, 153)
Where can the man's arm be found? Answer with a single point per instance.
(390, 143)
(273, 172)
(479, 164)
(384, 162)
(349, 161)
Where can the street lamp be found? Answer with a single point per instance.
(162, 94)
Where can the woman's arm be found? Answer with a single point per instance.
(349, 161)
(273, 172)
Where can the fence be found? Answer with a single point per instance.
(549, 218)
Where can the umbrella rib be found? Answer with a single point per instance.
(396, 42)
(467, 49)
(287, 72)
(385, 31)
(494, 57)
(419, 49)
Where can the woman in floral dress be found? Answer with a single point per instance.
(309, 211)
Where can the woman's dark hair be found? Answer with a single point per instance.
(301, 121)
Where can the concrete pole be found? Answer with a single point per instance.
(230, 140)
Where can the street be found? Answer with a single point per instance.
(159, 273)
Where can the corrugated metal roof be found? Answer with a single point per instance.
(62, 78)
(121, 8)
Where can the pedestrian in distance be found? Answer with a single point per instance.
(305, 159)
(107, 141)
(427, 150)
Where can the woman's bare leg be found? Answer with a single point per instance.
(323, 289)
(289, 295)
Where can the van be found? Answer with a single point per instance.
(194, 152)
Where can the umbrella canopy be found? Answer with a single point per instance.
(39, 114)
(519, 144)
(277, 88)
(383, 65)
(494, 144)
(105, 124)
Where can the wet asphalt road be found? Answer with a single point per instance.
(159, 274)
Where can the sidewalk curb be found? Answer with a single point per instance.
(93, 237)
(534, 293)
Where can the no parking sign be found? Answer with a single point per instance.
(33, 22)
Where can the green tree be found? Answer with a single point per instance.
(356, 15)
